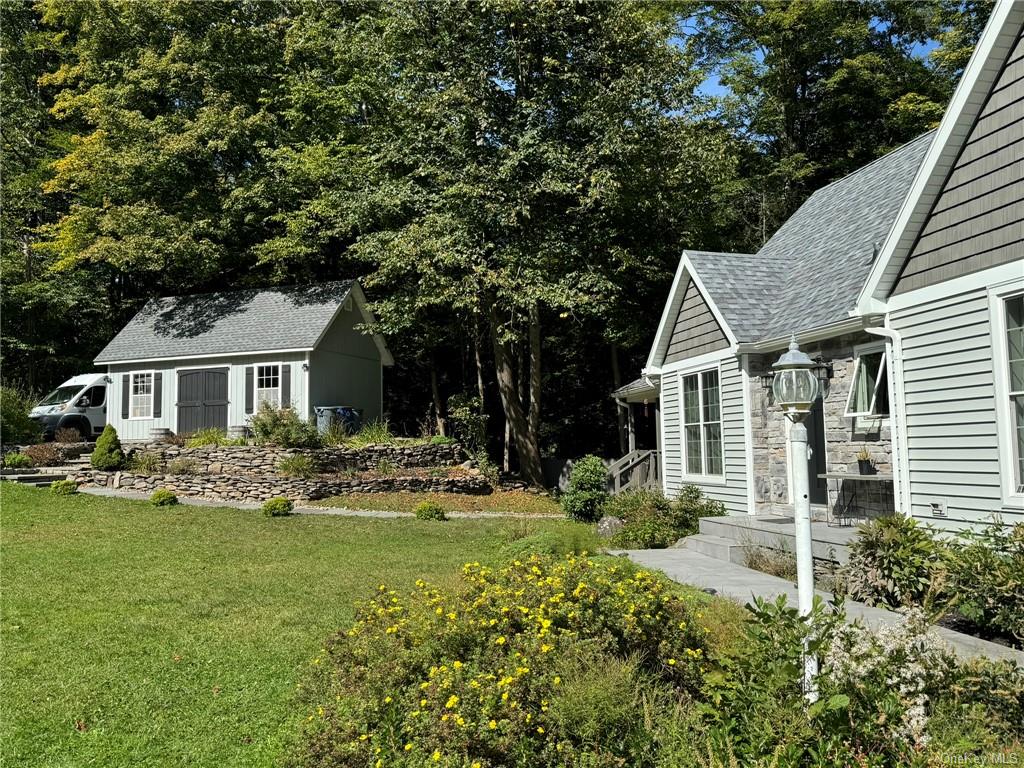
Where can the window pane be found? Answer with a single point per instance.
(713, 441)
(711, 406)
(693, 455)
(691, 400)
(864, 382)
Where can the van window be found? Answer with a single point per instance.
(96, 396)
(60, 396)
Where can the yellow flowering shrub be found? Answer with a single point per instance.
(498, 673)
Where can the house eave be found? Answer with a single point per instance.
(851, 325)
(212, 355)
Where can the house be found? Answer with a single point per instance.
(903, 280)
(190, 362)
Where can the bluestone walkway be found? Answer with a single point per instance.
(743, 584)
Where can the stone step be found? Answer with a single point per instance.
(777, 533)
(718, 547)
(36, 478)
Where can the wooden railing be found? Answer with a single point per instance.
(635, 471)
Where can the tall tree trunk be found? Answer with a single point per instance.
(506, 452)
(620, 412)
(478, 359)
(525, 440)
(439, 410)
(535, 374)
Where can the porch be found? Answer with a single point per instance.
(639, 435)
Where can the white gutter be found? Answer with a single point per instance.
(898, 420)
(803, 337)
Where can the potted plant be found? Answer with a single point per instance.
(864, 462)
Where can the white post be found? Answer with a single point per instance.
(804, 555)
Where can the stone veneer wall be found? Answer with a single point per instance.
(258, 459)
(259, 488)
(844, 437)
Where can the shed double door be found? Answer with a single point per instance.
(202, 400)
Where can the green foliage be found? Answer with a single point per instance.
(372, 433)
(430, 510)
(651, 521)
(574, 541)
(211, 436)
(892, 562)
(277, 507)
(282, 427)
(468, 422)
(107, 455)
(385, 467)
(299, 465)
(145, 462)
(64, 487)
(43, 454)
(162, 497)
(554, 661)
(986, 578)
(588, 482)
(67, 435)
(334, 435)
(15, 460)
(441, 440)
(183, 467)
(15, 425)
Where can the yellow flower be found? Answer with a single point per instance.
(671, 662)
(452, 702)
(436, 756)
(457, 664)
(408, 747)
(500, 640)
(493, 725)
(557, 680)
(540, 729)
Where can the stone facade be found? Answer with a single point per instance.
(844, 437)
(258, 459)
(259, 488)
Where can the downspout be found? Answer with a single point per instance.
(897, 424)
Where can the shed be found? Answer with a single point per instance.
(185, 363)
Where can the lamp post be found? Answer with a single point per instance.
(795, 388)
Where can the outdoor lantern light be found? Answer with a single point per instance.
(795, 385)
(823, 372)
(795, 388)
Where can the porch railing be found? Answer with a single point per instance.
(635, 471)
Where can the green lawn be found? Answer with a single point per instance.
(142, 636)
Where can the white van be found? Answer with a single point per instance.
(79, 403)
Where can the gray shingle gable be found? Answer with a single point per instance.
(809, 274)
(228, 322)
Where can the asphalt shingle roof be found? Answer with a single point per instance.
(228, 322)
(811, 271)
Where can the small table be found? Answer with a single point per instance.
(846, 502)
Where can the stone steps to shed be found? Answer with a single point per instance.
(40, 479)
(728, 538)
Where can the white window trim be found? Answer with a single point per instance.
(997, 296)
(701, 478)
(152, 394)
(256, 384)
(884, 371)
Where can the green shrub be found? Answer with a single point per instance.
(208, 436)
(15, 425)
(282, 427)
(334, 435)
(298, 465)
(542, 663)
(68, 435)
(145, 463)
(107, 455)
(468, 422)
(986, 578)
(183, 467)
(441, 440)
(162, 497)
(277, 507)
(15, 460)
(588, 483)
(652, 521)
(892, 562)
(430, 510)
(574, 541)
(375, 432)
(64, 487)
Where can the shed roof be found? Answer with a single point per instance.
(229, 322)
(810, 272)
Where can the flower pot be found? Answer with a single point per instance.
(865, 467)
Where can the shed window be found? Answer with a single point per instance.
(1014, 307)
(702, 424)
(268, 386)
(142, 396)
(869, 395)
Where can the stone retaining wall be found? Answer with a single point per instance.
(260, 460)
(259, 488)
(67, 451)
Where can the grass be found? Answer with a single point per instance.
(517, 502)
(139, 636)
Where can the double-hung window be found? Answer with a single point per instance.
(141, 405)
(268, 385)
(702, 424)
(869, 393)
(1013, 395)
